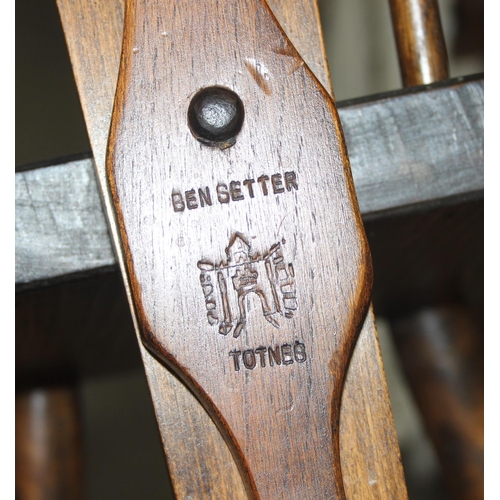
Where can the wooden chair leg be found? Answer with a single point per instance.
(48, 445)
(440, 349)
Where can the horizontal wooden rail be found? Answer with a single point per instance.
(407, 148)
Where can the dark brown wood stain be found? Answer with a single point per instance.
(364, 468)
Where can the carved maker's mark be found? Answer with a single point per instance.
(266, 275)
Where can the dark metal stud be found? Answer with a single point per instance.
(215, 116)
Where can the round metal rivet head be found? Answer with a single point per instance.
(215, 116)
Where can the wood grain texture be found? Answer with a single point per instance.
(428, 149)
(364, 429)
(420, 41)
(48, 445)
(213, 484)
(59, 211)
(302, 25)
(299, 249)
(446, 265)
(416, 148)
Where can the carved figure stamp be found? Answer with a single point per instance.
(226, 285)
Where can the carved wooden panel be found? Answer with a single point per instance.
(90, 71)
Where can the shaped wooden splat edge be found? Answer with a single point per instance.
(248, 262)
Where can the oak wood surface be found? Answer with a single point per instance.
(420, 41)
(447, 265)
(159, 377)
(428, 151)
(302, 252)
(48, 444)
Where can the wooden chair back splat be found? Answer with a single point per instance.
(199, 246)
(162, 384)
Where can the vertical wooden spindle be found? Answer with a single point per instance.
(48, 445)
(420, 42)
